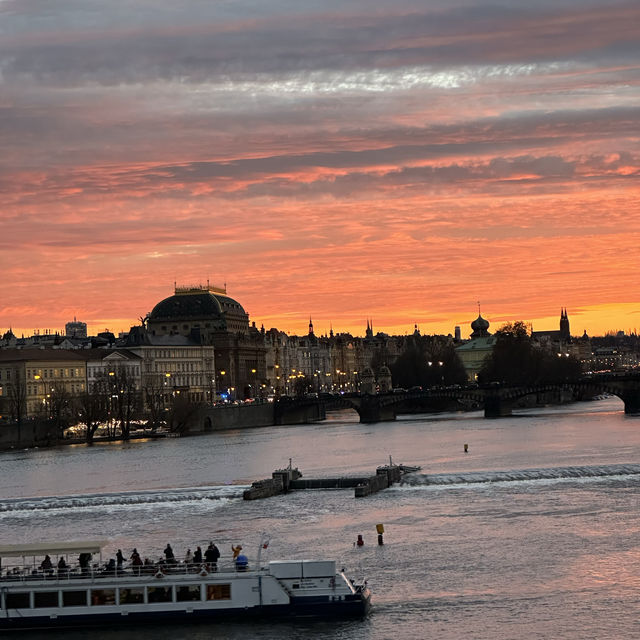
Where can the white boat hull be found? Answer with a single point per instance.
(283, 589)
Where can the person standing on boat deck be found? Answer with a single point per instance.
(197, 556)
(236, 551)
(211, 556)
(110, 567)
(46, 565)
(168, 554)
(216, 556)
(242, 562)
(62, 567)
(119, 559)
(83, 560)
(136, 561)
(188, 557)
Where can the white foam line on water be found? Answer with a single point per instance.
(522, 475)
(127, 498)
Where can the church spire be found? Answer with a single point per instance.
(369, 333)
(565, 331)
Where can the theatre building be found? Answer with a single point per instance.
(206, 315)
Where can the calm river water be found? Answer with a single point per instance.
(535, 533)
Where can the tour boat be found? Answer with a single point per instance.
(32, 597)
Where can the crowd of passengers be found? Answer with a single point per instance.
(194, 562)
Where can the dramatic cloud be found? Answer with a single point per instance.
(345, 160)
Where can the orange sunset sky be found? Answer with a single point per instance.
(396, 161)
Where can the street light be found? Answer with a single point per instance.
(167, 377)
(38, 378)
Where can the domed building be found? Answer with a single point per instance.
(479, 346)
(198, 310)
(207, 315)
(480, 328)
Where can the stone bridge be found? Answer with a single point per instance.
(497, 399)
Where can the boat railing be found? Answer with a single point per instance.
(97, 572)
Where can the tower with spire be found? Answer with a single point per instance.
(369, 332)
(565, 332)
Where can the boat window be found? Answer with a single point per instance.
(159, 594)
(17, 600)
(74, 598)
(45, 599)
(188, 592)
(103, 596)
(218, 592)
(132, 596)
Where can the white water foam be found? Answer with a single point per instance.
(553, 473)
(125, 498)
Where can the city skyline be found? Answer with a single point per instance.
(465, 327)
(350, 162)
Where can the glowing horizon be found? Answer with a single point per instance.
(351, 161)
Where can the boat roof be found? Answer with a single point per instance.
(50, 548)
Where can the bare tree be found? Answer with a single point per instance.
(155, 400)
(93, 406)
(59, 405)
(17, 394)
(125, 398)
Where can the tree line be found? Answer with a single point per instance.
(428, 361)
(113, 401)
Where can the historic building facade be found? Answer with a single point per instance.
(207, 316)
(480, 345)
(29, 378)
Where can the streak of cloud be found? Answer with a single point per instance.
(351, 160)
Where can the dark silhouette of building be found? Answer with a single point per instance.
(207, 315)
(565, 332)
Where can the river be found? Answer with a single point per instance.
(534, 533)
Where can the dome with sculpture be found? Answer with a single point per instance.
(205, 308)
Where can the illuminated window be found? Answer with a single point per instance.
(218, 592)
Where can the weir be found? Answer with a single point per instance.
(285, 480)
